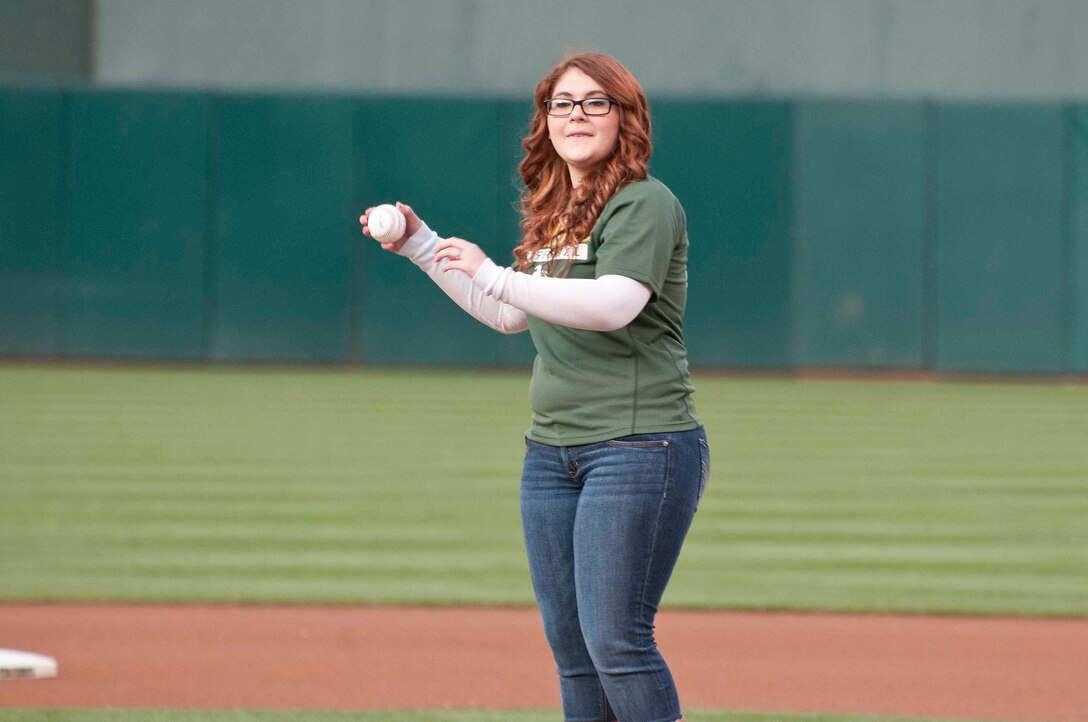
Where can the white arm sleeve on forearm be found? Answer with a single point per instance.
(420, 249)
(606, 303)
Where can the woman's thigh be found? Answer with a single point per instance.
(549, 503)
(639, 497)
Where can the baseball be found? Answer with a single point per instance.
(386, 223)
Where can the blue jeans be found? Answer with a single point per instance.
(603, 526)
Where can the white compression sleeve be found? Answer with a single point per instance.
(606, 303)
(420, 249)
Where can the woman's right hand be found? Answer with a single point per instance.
(411, 225)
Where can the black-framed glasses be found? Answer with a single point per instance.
(563, 107)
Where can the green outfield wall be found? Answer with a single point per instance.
(223, 227)
(33, 220)
(1003, 261)
(857, 272)
(730, 164)
(1077, 129)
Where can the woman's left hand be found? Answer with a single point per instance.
(461, 255)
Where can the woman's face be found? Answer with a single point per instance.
(583, 141)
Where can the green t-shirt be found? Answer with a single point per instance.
(591, 386)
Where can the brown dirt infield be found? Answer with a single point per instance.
(328, 657)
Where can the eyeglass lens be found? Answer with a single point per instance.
(590, 106)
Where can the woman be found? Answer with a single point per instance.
(616, 459)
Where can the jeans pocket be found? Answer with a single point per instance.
(704, 469)
(640, 441)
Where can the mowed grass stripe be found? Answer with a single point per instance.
(401, 486)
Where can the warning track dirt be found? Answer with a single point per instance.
(339, 657)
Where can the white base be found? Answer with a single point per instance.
(26, 665)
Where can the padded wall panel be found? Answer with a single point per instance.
(134, 261)
(1000, 245)
(729, 164)
(441, 158)
(33, 152)
(1078, 257)
(859, 225)
(514, 118)
(283, 219)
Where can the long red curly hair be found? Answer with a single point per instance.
(554, 214)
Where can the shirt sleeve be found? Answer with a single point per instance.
(638, 234)
(605, 303)
(502, 317)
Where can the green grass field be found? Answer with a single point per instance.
(274, 485)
